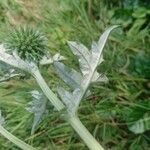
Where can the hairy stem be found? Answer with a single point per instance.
(15, 140)
(73, 120)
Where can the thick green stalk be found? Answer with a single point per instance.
(15, 140)
(73, 120)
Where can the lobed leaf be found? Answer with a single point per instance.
(9, 75)
(71, 100)
(70, 76)
(95, 54)
(37, 107)
(97, 78)
(88, 61)
(49, 60)
(77, 98)
(97, 47)
(66, 97)
(15, 61)
(83, 55)
(103, 38)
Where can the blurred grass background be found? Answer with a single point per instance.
(113, 111)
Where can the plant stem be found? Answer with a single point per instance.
(73, 120)
(15, 140)
(84, 134)
(46, 90)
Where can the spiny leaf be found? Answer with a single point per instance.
(12, 60)
(95, 50)
(70, 76)
(77, 98)
(71, 100)
(98, 47)
(9, 75)
(97, 78)
(83, 55)
(49, 60)
(102, 40)
(65, 96)
(88, 60)
(96, 56)
(38, 107)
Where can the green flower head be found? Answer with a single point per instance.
(29, 44)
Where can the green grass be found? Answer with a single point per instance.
(111, 107)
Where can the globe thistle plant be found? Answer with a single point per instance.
(28, 43)
(24, 49)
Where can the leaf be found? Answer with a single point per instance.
(77, 98)
(70, 76)
(98, 47)
(71, 100)
(46, 60)
(140, 125)
(65, 96)
(95, 50)
(49, 60)
(88, 60)
(58, 57)
(38, 107)
(9, 75)
(96, 57)
(2, 120)
(14, 60)
(99, 78)
(83, 55)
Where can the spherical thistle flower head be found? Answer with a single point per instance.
(28, 43)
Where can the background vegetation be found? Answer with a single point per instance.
(117, 113)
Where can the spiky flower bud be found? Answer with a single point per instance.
(29, 44)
